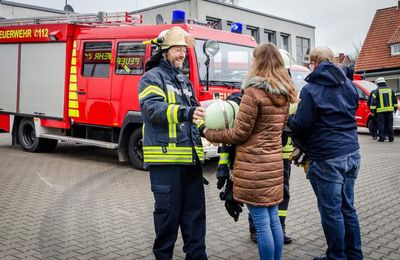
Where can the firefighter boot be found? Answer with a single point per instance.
(286, 239)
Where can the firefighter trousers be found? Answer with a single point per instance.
(283, 206)
(179, 202)
(385, 125)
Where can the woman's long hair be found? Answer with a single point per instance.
(268, 64)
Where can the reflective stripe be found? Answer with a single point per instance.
(168, 158)
(158, 154)
(172, 114)
(372, 107)
(151, 90)
(223, 158)
(385, 92)
(171, 97)
(200, 153)
(200, 124)
(287, 149)
(73, 113)
(282, 213)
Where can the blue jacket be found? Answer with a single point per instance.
(325, 118)
(167, 103)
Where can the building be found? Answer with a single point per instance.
(10, 10)
(296, 37)
(380, 53)
(343, 60)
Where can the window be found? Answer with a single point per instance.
(130, 58)
(302, 50)
(255, 32)
(215, 21)
(271, 36)
(97, 58)
(285, 42)
(395, 49)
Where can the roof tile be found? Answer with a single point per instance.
(375, 53)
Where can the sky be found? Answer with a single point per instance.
(340, 24)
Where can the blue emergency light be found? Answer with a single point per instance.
(178, 16)
(236, 28)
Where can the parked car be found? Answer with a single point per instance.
(363, 114)
(299, 73)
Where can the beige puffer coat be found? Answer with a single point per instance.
(258, 167)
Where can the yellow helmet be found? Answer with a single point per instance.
(221, 114)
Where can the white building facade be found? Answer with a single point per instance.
(295, 37)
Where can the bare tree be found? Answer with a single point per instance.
(357, 48)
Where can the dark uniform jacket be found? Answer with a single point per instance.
(167, 103)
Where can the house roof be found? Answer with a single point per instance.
(375, 53)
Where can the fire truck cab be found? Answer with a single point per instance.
(78, 81)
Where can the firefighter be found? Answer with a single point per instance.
(384, 104)
(172, 148)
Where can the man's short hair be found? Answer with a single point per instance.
(320, 54)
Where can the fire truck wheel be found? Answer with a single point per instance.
(29, 141)
(369, 125)
(135, 149)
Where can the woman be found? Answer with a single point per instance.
(258, 168)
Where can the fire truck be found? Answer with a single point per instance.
(75, 78)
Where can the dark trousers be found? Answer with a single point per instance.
(385, 125)
(179, 202)
(374, 126)
(283, 206)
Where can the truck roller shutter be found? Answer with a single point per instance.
(8, 76)
(42, 79)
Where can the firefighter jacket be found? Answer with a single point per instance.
(167, 103)
(383, 100)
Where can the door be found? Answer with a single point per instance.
(363, 111)
(94, 83)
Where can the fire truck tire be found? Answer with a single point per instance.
(135, 149)
(28, 140)
(369, 125)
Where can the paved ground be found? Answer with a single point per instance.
(80, 203)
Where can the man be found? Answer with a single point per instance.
(173, 150)
(384, 104)
(325, 120)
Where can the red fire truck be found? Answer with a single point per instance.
(75, 78)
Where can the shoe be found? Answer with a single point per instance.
(253, 237)
(320, 258)
(381, 140)
(374, 138)
(287, 240)
(391, 140)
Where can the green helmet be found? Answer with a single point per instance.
(287, 59)
(221, 114)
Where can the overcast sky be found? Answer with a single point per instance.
(340, 24)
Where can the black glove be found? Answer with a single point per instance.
(221, 181)
(233, 207)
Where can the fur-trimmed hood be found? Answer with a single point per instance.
(278, 95)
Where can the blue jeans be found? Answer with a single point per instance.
(269, 231)
(333, 183)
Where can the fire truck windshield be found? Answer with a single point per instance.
(228, 67)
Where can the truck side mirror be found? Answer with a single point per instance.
(210, 49)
